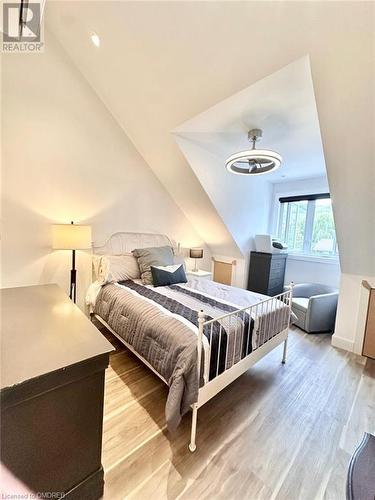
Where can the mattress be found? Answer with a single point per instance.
(161, 325)
(231, 338)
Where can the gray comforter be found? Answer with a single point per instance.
(161, 325)
(163, 340)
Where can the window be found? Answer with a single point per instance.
(306, 225)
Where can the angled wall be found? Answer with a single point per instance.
(65, 158)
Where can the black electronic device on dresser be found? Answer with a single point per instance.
(267, 272)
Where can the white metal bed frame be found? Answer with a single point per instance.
(270, 307)
(270, 310)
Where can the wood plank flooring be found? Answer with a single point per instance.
(282, 432)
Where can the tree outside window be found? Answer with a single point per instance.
(306, 225)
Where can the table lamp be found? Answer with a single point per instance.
(196, 253)
(71, 237)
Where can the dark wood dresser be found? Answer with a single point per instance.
(53, 361)
(267, 272)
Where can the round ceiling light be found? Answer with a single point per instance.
(253, 161)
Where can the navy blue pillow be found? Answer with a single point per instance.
(168, 275)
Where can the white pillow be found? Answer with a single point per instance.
(179, 259)
(96, 264)
(113, 268)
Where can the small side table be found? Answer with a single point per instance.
(206, 275)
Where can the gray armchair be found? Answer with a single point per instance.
(315, 307)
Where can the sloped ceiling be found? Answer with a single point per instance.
(161, 63)
(283, 106)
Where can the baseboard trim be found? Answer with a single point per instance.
(342, 343)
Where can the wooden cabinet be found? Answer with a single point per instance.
(223, 271)
(267, 272)
(369, 339)
(53, 361)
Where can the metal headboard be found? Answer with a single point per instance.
(123, 242)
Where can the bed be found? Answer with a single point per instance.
(198, 336)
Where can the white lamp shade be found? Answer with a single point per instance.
(71, 237)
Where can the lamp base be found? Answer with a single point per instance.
(73, 278)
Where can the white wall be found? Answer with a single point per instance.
(242, 203)
(65, 158)
(304, 269)
(299, 270)
(352, 312)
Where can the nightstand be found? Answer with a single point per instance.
(207, 275)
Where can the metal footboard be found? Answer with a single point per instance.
(251, 333)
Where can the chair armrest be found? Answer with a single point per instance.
(321, 313)
(328, 298)
(301, 290)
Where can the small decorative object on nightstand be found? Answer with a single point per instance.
(196, 253)
(207, 275)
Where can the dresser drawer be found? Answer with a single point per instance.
(277, 265)
(275, 282)
(277, 273)
(275, 290)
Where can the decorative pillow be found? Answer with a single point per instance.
(118, 268)
(153, 256)
(168, 275)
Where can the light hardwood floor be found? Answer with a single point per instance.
(278, 432)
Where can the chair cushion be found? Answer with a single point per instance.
(300, 303)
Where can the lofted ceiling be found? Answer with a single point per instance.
(160, 64)
(283, 106)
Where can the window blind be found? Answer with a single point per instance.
(302, 197)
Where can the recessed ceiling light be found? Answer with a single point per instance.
(95, 39)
